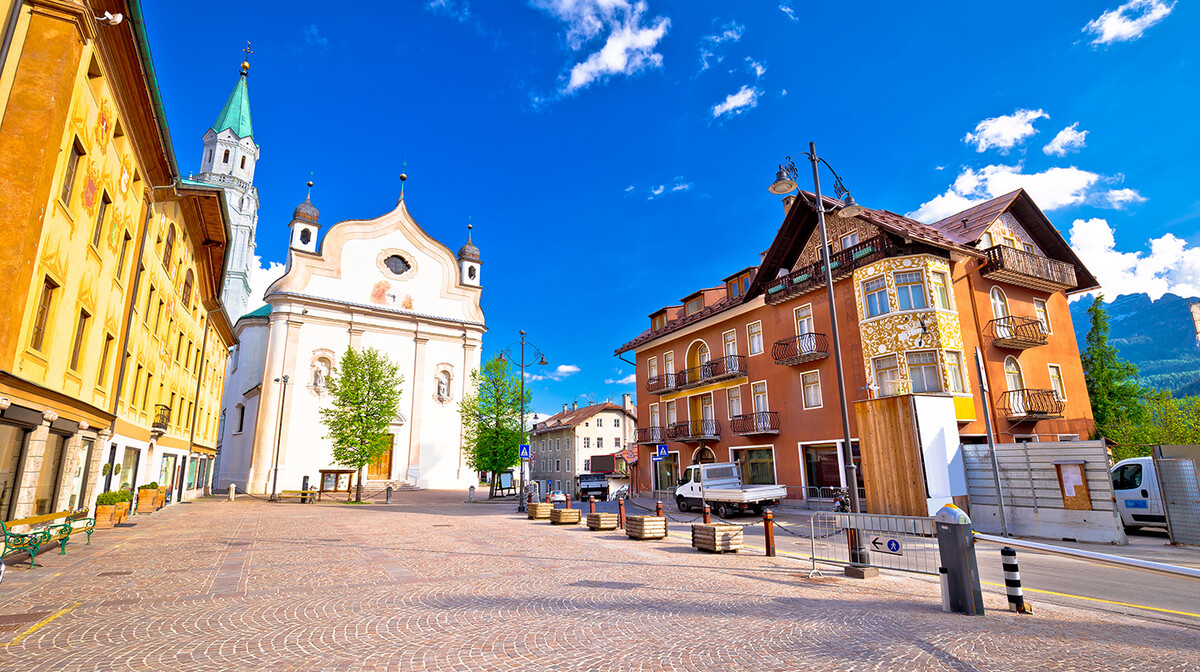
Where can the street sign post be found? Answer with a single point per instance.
(525, 453)
(889, 545)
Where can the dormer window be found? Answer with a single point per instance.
(738, 285)
(658, 321)
(694, 305)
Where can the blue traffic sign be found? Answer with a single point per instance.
(656, 458)
(662, 451)
(525, 453)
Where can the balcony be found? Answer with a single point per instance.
(1018, 267)
(750, 424)
(800, 349)
(660, 384)
(806, 279)
(694, 431)
(650, 435)
(162, 418)
(1016, 333)
(1030, 405)
(721, 368)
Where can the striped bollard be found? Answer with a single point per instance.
(1012, 581)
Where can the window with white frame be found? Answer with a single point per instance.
(804, 320)
(669, 362)
(568, 464)
(599, 442)
(985, 241)
(652, 367)
(557, 444)
(568, 443)
(729, 342)
(954, 369)
(887, 375)
(758, 394)
(755, 337)
(923, 371)
(875, 293)
(617, 442)
(558, 465)
(1043, 316)
(941, 290)
(1056, 382)
(616, 422)
(910, 290)
(587, 442)
(850, 240)
(599, 422)
(654, 415)
(812, 389)
(734, 395)
(671, 413)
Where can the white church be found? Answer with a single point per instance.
(383, 283)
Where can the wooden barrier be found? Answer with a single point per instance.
(646, 527)
(564, 516)
(602, 521)
(540, 510)
(717, 538)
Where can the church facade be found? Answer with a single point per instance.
(383, 283)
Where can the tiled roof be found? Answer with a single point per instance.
(967, 226)
(572, 418)
(674, 325)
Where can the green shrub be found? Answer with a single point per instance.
(149, 486)
(110, 498)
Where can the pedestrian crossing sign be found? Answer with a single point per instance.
(525, 454)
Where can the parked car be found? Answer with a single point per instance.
(621, 493)
(558, 496)
(1135, 487)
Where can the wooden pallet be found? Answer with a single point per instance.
(602, 521)
(646, 527)
(565, 516)
(717, 538)
(540, 510)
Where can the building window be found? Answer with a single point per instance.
(225, 159)
(812, 389)
(734, 398)
(954, 368)
(241, 418)
(654, 415)
(671, 418)
(121, 255)
(985, 241)
(77, 344)
(910, 290)
(652, 367)
(599, 442)
(758, 395)
(72, 168)
(149, 303)
(616, 422)
(729, 343)
(849, 240)
(669, 362)
(568, 464)
(1012, 374)
(38, 334)
(1056, 382)
(1027, 247)
(108, 340)
(558, 465)
(243, 163)
(568, 446)
(599, 422)
(887, 375)
(754, 335)
(1043, 316)
(557, 444)
(941, 290)
(875, 292)
(98, 230)
(694, 306)
(658, 321)
(188, 281)
(169, 247)
(923, 371)
(396, 264)
(587, 442)
(804, 320)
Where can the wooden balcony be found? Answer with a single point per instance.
(1030, 405)
(721, 368)
(800, 349)
(806, 279)
(650, 435)
(1016, 333)
(1025, 269)
(694, 431)
(751, 424)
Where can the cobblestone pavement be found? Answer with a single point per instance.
(433, 583)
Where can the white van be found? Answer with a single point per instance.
(1135, 487)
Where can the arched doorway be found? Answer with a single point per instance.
(704, 455)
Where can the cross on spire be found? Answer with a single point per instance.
(246, 63)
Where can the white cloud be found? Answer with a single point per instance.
(656, 191)
(314, 38)
(678, 185)
(786, 8)
(1171, 266)
(628, 43)
(730, 32)
(757, 68)
(1004, 132)
(1128, 22)
(629, 188)
(1050, 189)
(1069, 139)
(627, 380)
(261, 278)
(459, 11)
(559, 373)
(736, 103)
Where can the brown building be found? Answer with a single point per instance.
(744, 370)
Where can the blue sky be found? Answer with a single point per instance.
(614, 155)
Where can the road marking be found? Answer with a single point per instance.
(42, 623)
(1096, 599)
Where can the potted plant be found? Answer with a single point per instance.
(123, 505)
(162, 496)
(147, 500)
(106, 509)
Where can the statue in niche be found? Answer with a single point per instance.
(443, 385)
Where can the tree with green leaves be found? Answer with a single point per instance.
(1112, 383)
(491, 417)
(364, 398)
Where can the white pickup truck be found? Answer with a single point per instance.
(720, 486)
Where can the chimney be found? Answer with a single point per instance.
(787, 204)
(564, 408)
(627, 402)
(574, 405)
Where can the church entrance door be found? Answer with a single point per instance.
(381, 467)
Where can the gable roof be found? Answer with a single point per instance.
(572, 418)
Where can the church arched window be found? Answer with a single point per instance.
(226, 157)
(305, 236)
(188, 280)
(169, 247)
(243, 162)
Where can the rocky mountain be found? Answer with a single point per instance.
(1157, 336)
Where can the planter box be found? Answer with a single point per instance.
(646, 527)
(122, 512)
(147, 501)
(162, 497)
(540, 510)
(106, 516)
(717, 538)
(602, 521)
(565, 516)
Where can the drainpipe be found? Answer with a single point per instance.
(138, 22)
(10, 29)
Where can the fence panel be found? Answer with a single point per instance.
(899, 543)
(1181, 496)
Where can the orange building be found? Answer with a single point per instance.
(743, 371)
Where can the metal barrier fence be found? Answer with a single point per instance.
(821, 497)
(1181, 498)
(900, 543)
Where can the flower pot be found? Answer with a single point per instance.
(122, 512)
(162, 497)
(105, 516)
(147, 501)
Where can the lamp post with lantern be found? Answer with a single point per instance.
(506, 355)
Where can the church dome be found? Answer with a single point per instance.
(468, 252)
(306, 211)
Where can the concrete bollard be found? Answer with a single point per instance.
(470, 495)
(658, 509)
(1012, 581)
(232, 492)
(591, 504)
(769, 532)
(387, 499)
(707, 514)
(621, 513)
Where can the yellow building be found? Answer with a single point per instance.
(97, 215)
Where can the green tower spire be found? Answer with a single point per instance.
(235, 116)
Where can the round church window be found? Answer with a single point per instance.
(396, 264)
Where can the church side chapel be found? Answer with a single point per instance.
(383, 283)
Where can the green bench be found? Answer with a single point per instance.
(44, 530)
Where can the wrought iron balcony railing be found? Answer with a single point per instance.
(721, 368)
(650, 435)
(1016, 333)
(763, 422)
(1030, 405)
(660, 384)
(690, 431)
(1026, 269)
(800, 349)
